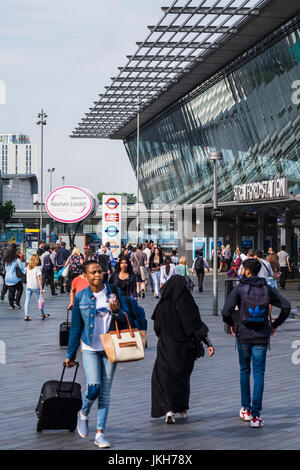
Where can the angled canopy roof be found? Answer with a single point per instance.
(192, 41)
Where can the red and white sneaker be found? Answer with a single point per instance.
(245, 415)
(257, 423)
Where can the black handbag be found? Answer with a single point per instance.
(198, 348)
(18, 271)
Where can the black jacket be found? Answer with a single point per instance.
(255, 335)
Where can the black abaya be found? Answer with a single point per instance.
(176, 322)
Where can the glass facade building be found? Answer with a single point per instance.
(249, 111)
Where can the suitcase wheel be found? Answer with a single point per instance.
(39, 428)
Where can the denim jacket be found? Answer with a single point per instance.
(83, 319)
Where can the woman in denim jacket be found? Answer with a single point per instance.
(93, 314)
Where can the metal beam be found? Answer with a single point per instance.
(150, 69)
(169, 58)
(212, 11)
(173, 44)
(140, 79)
(193, 29)
(132, 87)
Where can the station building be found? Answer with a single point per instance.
(223, 75)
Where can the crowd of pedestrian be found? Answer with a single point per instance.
(104, 293)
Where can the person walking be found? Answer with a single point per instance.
(174, 257)
(266, 270)
(285, 266)
(78, 284)
(155, 262)
(138, 261)
(34, 286)
(103, 260)
(178, 326)
(228, 257)
(94, 313)
(148, 254)
(272, 258)
(47, 266)
(222, 259)
(61, 258)
(198, 266)
(253, 296)
(13, 272)
(74, 262)
(167, 270)
(2, 273)
(182, 268)
(124, 278)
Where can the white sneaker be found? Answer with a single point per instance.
(257, 423)
(245, 415)
(100, 440)
(170, 419)
(184, 414)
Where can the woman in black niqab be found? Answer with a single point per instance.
(177, 323)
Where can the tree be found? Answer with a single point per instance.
(131, 198)
(6, 212)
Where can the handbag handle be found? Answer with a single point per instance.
(129, 326)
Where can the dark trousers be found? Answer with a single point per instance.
(200, 276)
(4, 287)
(49, 276)
(283, 276)
(61, 280)
(70, 280)
(12, 292)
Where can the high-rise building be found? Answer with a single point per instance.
(18, 156)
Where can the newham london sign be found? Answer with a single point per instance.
(70, 204)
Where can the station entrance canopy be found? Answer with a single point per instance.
(192, 41)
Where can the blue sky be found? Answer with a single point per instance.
(59, 55)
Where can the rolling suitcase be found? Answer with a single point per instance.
(59, 404)
(64, 332)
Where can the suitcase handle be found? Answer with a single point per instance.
(68, 312)
(62, 376)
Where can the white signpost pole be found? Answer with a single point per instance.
(112, 222)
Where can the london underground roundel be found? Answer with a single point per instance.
(112, 203)
(70, 204)
(112, 231)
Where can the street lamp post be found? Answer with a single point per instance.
(215, 156)
(137, 169)
(63, 180)
(42, 122)
(51, 170)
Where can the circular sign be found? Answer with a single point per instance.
(114, 247)
(112, 203)
(112, 231)
(70, 204)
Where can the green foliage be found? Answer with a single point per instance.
(6, 211)
(131, 198)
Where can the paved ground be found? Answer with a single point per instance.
(33, 357)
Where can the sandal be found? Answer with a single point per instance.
(27, 318)
(45, 316)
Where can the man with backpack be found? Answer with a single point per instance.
(47, 269)
(253, 330)
(199, 264)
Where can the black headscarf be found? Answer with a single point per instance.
(177, 314)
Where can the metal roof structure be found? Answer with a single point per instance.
(192, 41)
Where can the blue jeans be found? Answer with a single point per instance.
(257, 353)
(29, 293)
(99, 376)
